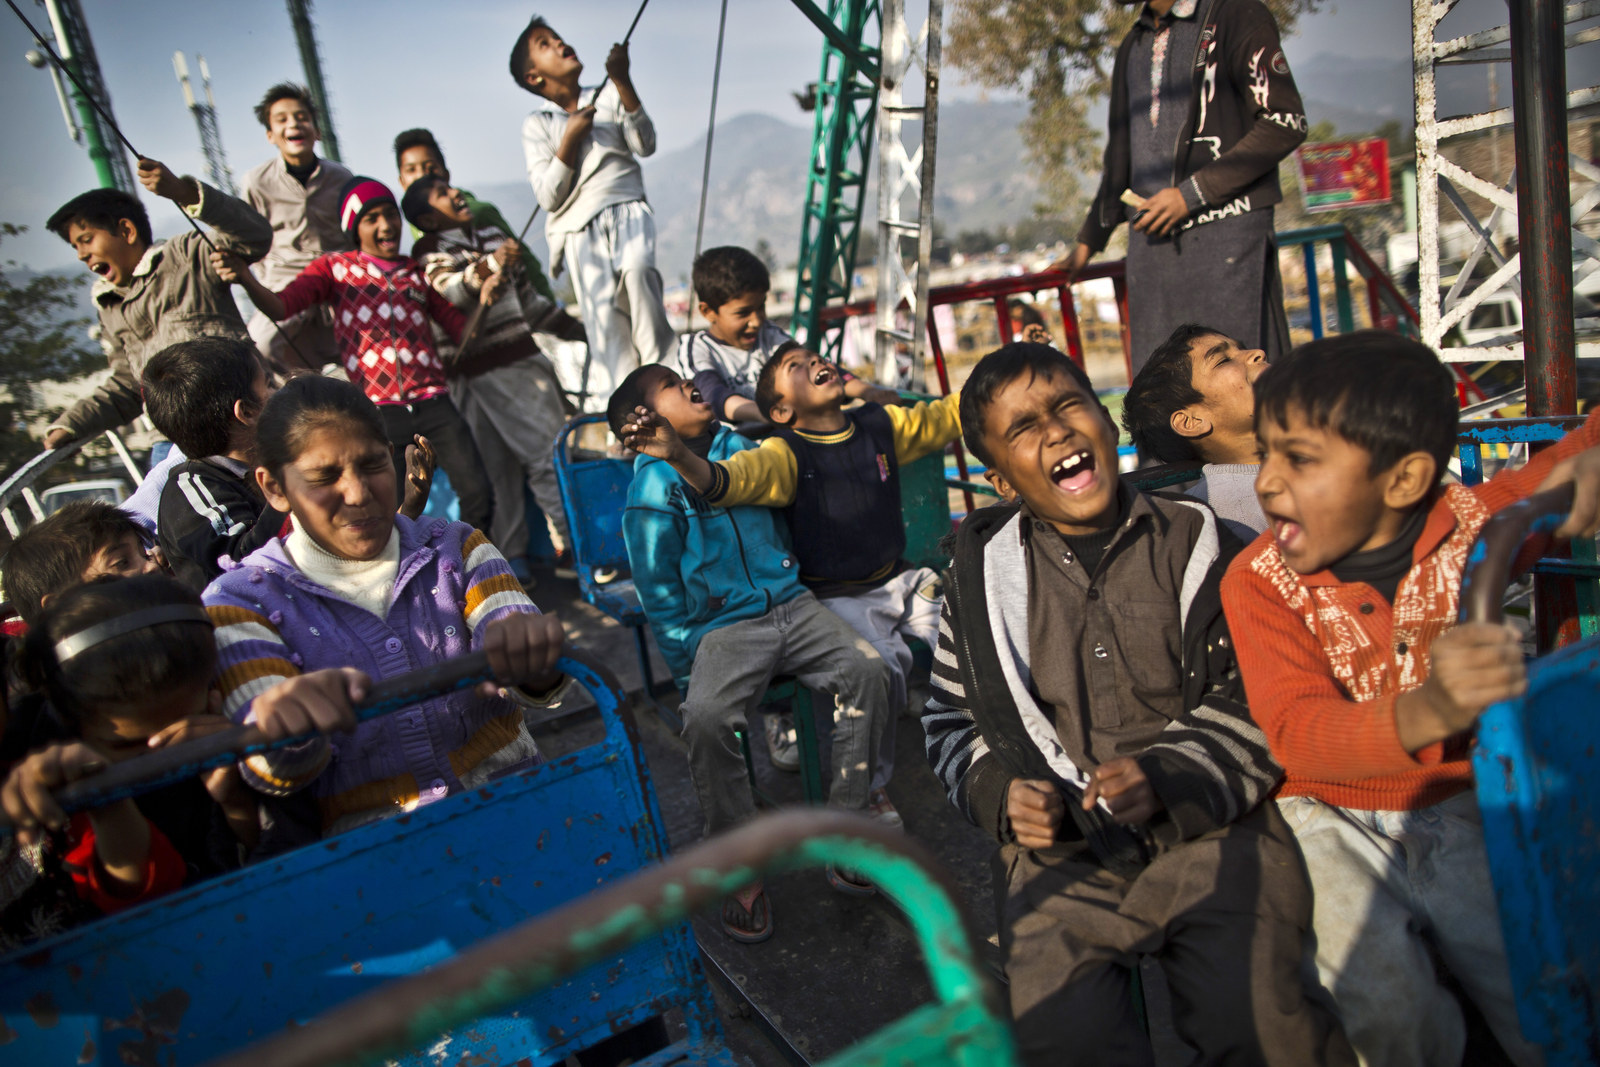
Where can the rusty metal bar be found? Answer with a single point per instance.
(1544, 202)
(543, 951)
(1488, 569)
(165, 765)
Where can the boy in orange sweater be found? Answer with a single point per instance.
(1345, 614)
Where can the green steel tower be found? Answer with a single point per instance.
(305, 36)
(841, 151)
(77, 52)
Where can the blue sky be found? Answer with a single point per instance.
(403, 63)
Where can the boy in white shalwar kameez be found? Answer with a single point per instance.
(582, 155)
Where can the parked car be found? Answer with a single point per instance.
(111, 490)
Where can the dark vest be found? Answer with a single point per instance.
(845, 519)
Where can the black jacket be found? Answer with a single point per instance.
(1226, 161)
(978, 742)
(207, 511)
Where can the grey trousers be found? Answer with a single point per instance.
(1386, 885)
(515, 414)
(733, 667)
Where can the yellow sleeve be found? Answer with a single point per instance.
(764, 476)
(926, 427)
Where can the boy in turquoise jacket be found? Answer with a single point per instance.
(723, 594)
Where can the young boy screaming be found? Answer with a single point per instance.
(1368, 689)
(1087, 712)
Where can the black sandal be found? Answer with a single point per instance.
(762, 928)
(850, 883)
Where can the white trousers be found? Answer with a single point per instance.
(612, 263)
(1385, 886)
(907, 606)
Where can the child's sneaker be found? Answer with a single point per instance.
(881, 808)
(783, 747)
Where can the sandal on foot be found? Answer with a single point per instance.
(850, 883)
(758, 914)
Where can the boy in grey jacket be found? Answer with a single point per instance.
(151, 294)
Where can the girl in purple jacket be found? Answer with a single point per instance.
(358, 588)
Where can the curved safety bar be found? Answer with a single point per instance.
(1488, 568)
(545, 950)
(166, 765)
(24, 476)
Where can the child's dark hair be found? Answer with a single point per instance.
(151, 661)
(286, 91)
(101, 209)
(1380, 391)
(51, 555)
(720, 274)
(999, 369)
(767, 395)
(521, 62)
(417, 138)
(303, 404)
(633, 392)
(1163, 385)
(414, 203)
(190, 389)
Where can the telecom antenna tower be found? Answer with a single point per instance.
(205, 117)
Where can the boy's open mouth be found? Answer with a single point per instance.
(1288, 533)
(1075, 473)
(695, 397)
(102, 269)
(824, 375)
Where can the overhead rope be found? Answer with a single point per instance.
(711, 129)
(95, 103)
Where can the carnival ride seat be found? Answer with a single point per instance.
(201, 973)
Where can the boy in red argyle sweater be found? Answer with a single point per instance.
(381, 306)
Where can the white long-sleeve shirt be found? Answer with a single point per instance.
(608, 165)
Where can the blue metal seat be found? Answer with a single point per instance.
(594, 493)
(208, 970)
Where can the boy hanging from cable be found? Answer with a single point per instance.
(582, 149)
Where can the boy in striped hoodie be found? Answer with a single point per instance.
(1367, 688)
(1087, 713)
(506, 389)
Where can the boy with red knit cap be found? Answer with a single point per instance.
(381, 306)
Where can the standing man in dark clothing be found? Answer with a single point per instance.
(1203, 109)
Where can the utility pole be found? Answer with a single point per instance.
(77, 52)
(205, 117)
(305, 36)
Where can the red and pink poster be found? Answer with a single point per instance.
(1341, 174)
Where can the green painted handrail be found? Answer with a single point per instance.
(965, 1022)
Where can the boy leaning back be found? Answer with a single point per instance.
(836, 474)
(582, 151)
(1087, 713)
(1368, 689)
(724, 598)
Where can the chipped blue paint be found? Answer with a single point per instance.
(243, 956)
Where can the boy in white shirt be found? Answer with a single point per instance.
(582, 152)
